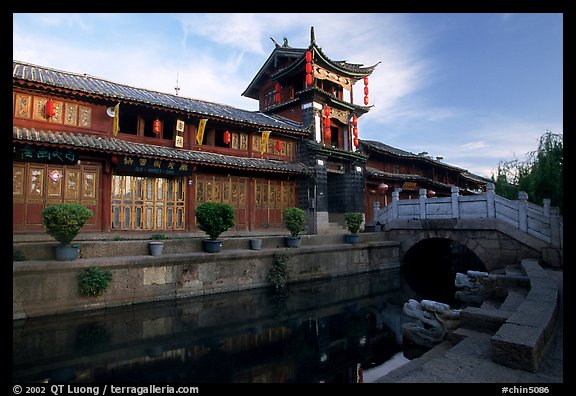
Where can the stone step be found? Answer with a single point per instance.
(336, 228)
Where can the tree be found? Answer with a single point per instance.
(540, 175)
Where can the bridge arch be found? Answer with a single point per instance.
(429, 265)
(483, 255)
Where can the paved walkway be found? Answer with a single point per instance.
(469, 361)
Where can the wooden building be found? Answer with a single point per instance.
(143, 160)
(390, 169)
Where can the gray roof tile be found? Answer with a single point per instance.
(113, 145)
(107, 89)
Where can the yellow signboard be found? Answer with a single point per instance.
(409, 186)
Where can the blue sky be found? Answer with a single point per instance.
(474, 88)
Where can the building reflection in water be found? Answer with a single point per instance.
(323, 331)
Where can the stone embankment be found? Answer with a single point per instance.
(517, 340)
(44, 286)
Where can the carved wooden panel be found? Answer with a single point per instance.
(23, 107)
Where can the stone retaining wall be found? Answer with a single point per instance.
(522, 340)
(46, 287)
(524, 324)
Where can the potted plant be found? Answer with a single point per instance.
(157, 244)
(63, 222)
(294, 220)
(214, 218)
(353, 222)
(255, 243)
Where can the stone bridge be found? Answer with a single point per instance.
(498, 230)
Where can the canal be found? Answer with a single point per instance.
(343, 330)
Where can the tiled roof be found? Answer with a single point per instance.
(352, 68)
(96, 86)
(378, 146)
(112, 145)
(403, 177)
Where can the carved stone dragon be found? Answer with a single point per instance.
(434, 320)
(474, 286)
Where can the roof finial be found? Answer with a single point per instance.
(312, 38)
(177, 87)
(275, 43)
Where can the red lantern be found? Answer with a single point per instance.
(308, 56)
(366, 99)
(355, 131)
(156, 126)
(326, 123)
(277, 98)
(327, 133)
(278, 145)
(366, 90)
(50, 108)
(327, 111)
(365, 80)
(308, 67)
(308, 79)
(226, 137)
(355, 142)
(115, 160)
(354, 120)
(383, 187)
(277, 87)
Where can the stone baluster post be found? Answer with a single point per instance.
(523, 211)
(554, 222)
(546, 207)
(455, 204)
(376, 212)
(395, 199)
(422, 202)
(490, 201)
(556, 235)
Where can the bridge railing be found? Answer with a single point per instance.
(542, 222)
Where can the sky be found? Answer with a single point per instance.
(476, 89)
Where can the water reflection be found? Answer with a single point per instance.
(325, 331)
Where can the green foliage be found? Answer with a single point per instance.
(353, 221)
(64, 221)
(214, 218)
(294, 220)
(158, 237)
(540, 175)
(279, 273)
(94, 280)
(18, 255)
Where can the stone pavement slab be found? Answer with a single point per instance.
(469, 361)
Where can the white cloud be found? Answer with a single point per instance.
(501, 140)
(475, 145)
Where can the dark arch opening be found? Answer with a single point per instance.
(430, 268)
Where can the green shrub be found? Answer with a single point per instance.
(353, 221)
(214, 218)
(94, 280)
(279, 273)
(64, 221)
(294, 220)
(18, 255)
